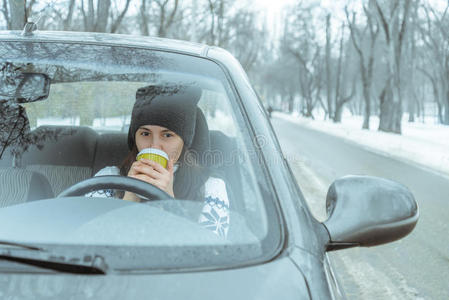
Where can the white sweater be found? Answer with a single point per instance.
(215, 213)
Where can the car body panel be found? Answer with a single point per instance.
(279, 279)
(298, 268)
(107, 39)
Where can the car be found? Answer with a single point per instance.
(66, 100)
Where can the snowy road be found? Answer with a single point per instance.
(415, 267)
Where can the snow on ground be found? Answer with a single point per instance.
(425, 144)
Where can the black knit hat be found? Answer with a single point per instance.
(171, 106)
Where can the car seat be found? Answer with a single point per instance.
(17, 185)
(111, 149)
(224, 163)
(65, 156)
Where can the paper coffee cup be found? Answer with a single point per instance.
(153, 154)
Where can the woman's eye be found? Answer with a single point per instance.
(168, 135)
(145, 133)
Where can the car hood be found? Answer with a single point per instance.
(108, 221)
(157, 235)
(279, 279)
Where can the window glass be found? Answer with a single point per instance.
(81, 130)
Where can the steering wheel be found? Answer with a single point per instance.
(130, 184)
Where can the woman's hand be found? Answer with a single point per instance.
(153, 173)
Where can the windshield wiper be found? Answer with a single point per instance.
(20, 245)
(39, 257)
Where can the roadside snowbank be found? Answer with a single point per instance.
(426, 145)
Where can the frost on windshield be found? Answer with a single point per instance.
(125, 60)
(17, 87)
(15, 134)
(14, 127)
(22, 87)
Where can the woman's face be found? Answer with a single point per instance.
(153, 136)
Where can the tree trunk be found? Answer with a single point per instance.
(338, 113)
(411, 111)
(18, 14)
(309, 109)
(391, 104)
(391, 98)
(68, 20)
(90, 16)
(291, 101)
(337, 83)
(389, 112)
(413, 108)
(328, 68)
(367, 110)
(161, 30)
(446, 110)
(144, 30)
(6, 14)
(103, 7)
(116, 24)
(418, 103)
(386, 108)
(366, 70)
(440, 112)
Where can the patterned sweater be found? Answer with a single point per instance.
(215, 212)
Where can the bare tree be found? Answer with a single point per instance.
(366, 60)
(328, 67)
(244, 39)
(16, 13)
(219, 13)
(435, 35)
(393, 17)
(103, 7)
(166, 17)
(62, 14)
(117, 21)
(17, 18)
(144, 29)
(98, 20)
(5, 13)
(300, 42)
(340, 98)
(411, 68)
(68, 19)
(309, 80)
(158, 14)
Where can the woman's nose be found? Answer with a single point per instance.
(156, 143)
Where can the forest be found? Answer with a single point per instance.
(383, 58)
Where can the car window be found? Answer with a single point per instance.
(81, 130)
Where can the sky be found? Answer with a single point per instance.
(272, 5)
(273, 9)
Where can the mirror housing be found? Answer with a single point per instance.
(368, 211)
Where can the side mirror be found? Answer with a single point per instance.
(368, 211)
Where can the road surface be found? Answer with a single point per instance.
(416, 267)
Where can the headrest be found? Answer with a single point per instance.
(62, 145)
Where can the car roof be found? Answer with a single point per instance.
(109, 39)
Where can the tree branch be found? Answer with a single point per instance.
(119, 19)
(404, 24)
(384, 21)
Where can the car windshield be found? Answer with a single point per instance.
(81, 131)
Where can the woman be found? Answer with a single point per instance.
(167, 118)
